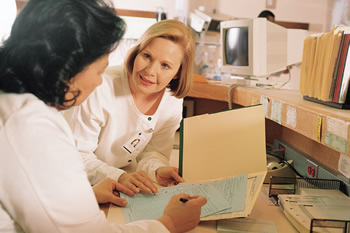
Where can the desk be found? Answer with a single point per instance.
(304, 136)
(261, 210)
(213, 97)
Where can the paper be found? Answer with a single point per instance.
(223, 196)
(338, 127)
(300, 209)
(291, 116)
(336, 142)
(344, 165)
(253, 187)
(265, 102)
(276, 111)
(319, 128)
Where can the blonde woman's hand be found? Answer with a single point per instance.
(168, 176)
(138, 182)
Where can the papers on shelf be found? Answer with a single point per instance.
(325, 70)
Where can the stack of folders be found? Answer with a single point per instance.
(325, 69)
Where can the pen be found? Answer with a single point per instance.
(184, 200)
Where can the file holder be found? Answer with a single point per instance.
(330, 223)
(289, 185)
(345, 105)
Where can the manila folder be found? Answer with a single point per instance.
(225, 144)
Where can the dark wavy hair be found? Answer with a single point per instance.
(53, 40)
(266, 14)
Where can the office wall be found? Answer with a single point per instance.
(172, 7)
(317, 13)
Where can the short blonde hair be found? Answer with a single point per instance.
(180, 34)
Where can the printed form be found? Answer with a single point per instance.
(224, 196)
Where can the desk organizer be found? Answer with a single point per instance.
(288, 185)
(297, 208)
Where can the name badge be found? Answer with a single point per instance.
(134, 143)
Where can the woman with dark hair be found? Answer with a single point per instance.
(53, 59)
(268, 15)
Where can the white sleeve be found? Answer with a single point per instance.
(157, 152)
(86, 122)
(51, 192)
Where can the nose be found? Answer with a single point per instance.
(152, 69)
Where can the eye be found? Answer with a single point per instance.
(166, 66)
(146, 55)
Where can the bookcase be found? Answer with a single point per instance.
(320, 131)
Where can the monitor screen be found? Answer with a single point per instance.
(253, 47)
(236, 46)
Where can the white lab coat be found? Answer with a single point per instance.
(43, 185)
(107, 124)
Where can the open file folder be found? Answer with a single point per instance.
(225, 144)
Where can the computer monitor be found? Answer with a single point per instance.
(253, 47)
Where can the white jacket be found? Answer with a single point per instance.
(43, 185)
(108, 123)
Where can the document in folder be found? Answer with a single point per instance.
(225, 144)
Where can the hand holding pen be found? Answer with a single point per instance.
(182, 212)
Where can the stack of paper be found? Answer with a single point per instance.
(300, 209)
(325, 70)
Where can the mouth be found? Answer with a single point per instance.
(145, 81)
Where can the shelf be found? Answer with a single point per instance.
(289, 109)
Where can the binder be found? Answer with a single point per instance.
(329, 70)
(341, 67)
(325, 71)
(315, 65)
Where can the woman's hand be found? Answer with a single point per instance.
(108, 191)
(168, 176)
(182, 217)
(138, 182)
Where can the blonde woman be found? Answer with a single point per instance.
(140, 101)
(53, 60)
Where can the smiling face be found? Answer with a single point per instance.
(155, 66)
(87, 80)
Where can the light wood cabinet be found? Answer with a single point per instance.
(320, 131)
